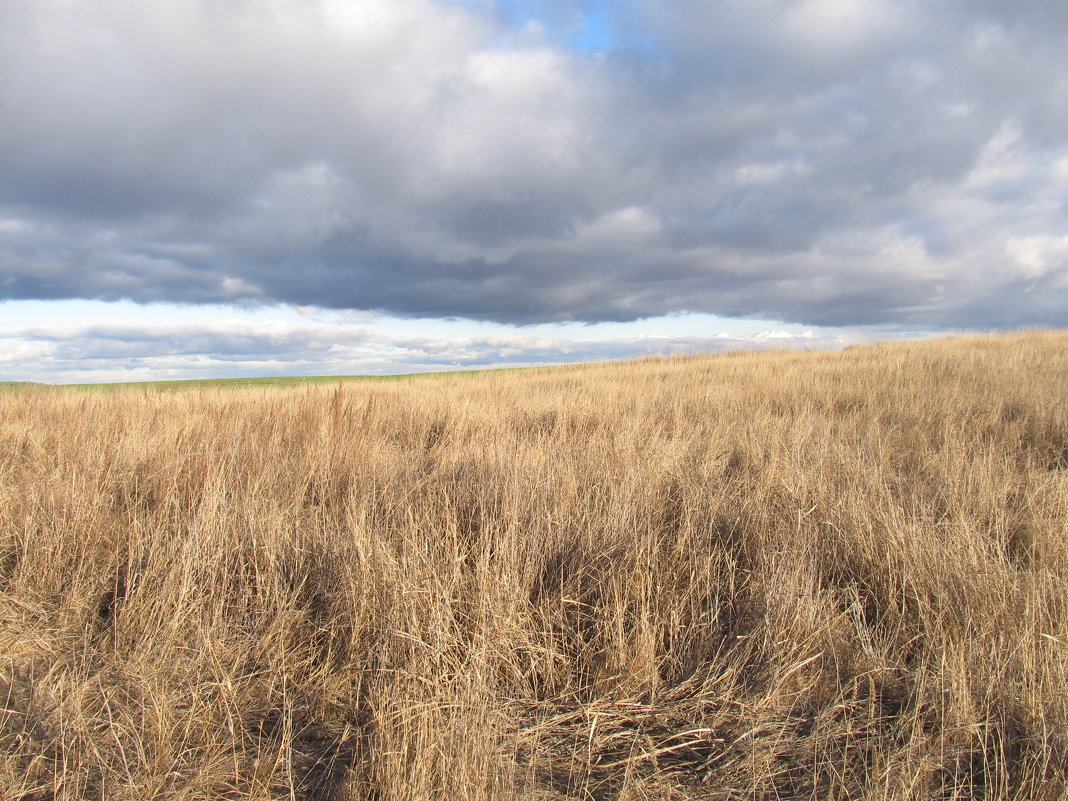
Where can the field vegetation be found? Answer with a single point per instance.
(185, 384)
(777, 575)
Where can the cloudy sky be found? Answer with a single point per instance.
(199, 188)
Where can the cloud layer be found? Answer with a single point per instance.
(237, 348)
(833, 162)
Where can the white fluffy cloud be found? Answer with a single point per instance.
(235, 348)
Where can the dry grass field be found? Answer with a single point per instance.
(751, 576)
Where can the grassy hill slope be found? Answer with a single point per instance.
(268, 382)
(771, 575)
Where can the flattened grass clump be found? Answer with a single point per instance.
(775, 575)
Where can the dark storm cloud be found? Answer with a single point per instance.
(820, 161)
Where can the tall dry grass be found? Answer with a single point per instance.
(753, 576)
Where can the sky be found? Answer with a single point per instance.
(203, 188)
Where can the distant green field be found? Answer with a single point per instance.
(245, 383)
